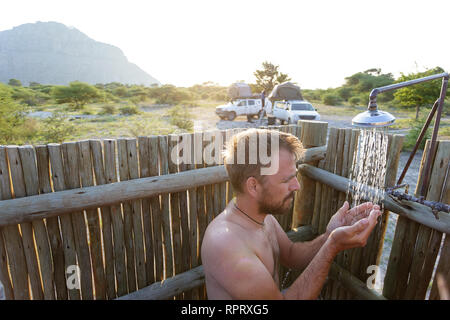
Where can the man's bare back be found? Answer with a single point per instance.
(247, 239)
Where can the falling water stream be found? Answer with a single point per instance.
(369, 167)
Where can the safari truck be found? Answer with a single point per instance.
(243, 102)
(238, 107)
(288, 106)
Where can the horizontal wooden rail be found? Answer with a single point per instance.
(47, 205)
(196, 277)
(353, 284)
(412, 210)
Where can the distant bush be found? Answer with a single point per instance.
(56, 129)
(181, 117)
(331, 99)
(413, 134)
(129, 110)
(355, 101)
(108, 109)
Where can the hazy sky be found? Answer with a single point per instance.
(318, 43)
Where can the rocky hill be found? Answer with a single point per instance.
(52, 53)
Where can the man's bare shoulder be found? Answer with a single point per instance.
(221, 230)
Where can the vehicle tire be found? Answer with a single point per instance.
(231, 116)
(282, 122)
(271, 120)
(249, 118)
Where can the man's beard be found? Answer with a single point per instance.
(266, 206)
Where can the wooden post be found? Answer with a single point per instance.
(175, 208)
(165, 208)
(193, 220)
(428, 240)
(72, 178)
(153, 152)
(87, 180)
(105, 218)
(184, 212)
(313, 134)
(144, 165)
(127, 216)
(116, 219)
(402, 250)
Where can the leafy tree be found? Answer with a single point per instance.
(15, 83)
(13, 123)
(169, 94)
(77, 94)
(421, 94)
(268, 77)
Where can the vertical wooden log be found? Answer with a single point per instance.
(4, 274)
(335, 204)
(326, 191)
(313, 134)
(127, 217)
(344, 172)
(201, 195)
(26, 229)
(72, 178)
(402, 250)
(223, 185)
(348, 254)
(133, 173)
(30, 176)
(193, 221)
(216, 188)
(156, 210)
(147, 221)
(185, 154)
(175, 208)
(117, 220)
(208, 141)
(165, 208)
(229, 135)
(105, 219)
(443, 267)
(87, 180)
(53, 229)
(13, 239)
(67, 233)
(428, 240)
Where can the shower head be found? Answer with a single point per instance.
(373, 118)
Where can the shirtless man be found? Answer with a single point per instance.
(243, 244)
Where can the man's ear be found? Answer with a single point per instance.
(251, 186)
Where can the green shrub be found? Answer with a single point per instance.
(129, 110)
(56, 128)
(181, 117)
(108, 109)
(331, 99)
(413, 134)
(355, 101)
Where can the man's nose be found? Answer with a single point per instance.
(295, 185)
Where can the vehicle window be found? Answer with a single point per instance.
(251, 103)
(302, 106)
(242, 104)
